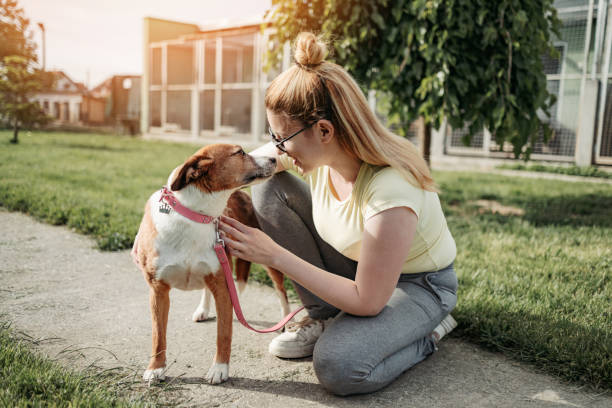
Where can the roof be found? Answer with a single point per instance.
(63, 84)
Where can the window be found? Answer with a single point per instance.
(237, 60)
(207, 110)
(155, 109)
(236, 110)
(552, 64)
(180, 64)
(179, 110)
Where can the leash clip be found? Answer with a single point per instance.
(219, 240)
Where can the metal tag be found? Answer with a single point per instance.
(165, 208)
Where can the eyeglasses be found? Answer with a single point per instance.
(280, 144)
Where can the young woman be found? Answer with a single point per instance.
(364, 239)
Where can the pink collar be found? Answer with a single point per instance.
(172, 201)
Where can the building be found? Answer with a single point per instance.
(69, 102)
(204, 85)
(121, 96)
(208, 85)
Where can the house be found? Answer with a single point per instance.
(208, 84)
(69, 102)
(121, 96)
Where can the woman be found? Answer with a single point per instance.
(364, 241)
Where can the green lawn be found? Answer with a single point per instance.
(535, 279)
(27, 379)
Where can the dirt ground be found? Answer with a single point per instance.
(91, 307)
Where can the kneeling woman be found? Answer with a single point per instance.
(364, 239)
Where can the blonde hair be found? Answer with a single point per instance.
(314, 89)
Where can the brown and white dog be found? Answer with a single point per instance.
(173, 251)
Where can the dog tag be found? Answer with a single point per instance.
(165, 208)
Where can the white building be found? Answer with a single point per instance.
(63, 102)
(69, 102)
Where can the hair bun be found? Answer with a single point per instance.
(310, 50)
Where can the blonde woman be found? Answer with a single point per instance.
(364, 239)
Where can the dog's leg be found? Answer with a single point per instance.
(219, 371)
(201, 313)
(159, 298)
(242, 274)
(279, 284)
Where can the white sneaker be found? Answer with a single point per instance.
(446, 326)
(299, 338)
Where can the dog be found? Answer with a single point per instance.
(173, 251)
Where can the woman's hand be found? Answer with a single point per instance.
(250, 244)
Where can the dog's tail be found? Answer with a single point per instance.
(242, 273)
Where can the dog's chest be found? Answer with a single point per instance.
(185, 249)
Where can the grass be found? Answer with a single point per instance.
(536, 286)
(29, 379)
(535, 277)
(585, 171)
(96, 185)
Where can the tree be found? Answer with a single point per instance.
(19, 78)
(17, 84)
(14, 35)
(475, 62)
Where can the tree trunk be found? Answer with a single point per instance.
(425, 140)
(15, 140)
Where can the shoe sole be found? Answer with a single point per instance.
(288, 353)
(452, 322)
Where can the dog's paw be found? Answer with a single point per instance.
(200, 315)
(152, 376)
(218, 373)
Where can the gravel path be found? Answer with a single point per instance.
(58, 287)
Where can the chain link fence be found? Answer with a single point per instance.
(565, 73)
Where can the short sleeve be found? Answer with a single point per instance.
(286, 162)
(389, 189)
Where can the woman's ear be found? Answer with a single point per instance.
(327, 130)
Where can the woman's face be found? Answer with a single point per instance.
(304, 148)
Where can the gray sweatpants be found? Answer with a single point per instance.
(355, 354)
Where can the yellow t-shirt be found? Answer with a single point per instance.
(341, 223)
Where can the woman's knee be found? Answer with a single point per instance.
(339, 373)
(261, 193)
(333, 374)
(283, 188)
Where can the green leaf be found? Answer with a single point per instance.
(380, 22)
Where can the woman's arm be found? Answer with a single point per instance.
(386, 241)
(269, 150)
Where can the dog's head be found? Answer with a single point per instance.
(220, 167)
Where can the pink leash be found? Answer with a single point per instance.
(227, 270)
(173, 202)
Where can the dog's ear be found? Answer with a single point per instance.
(193, 169)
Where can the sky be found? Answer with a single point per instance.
(91, 40)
